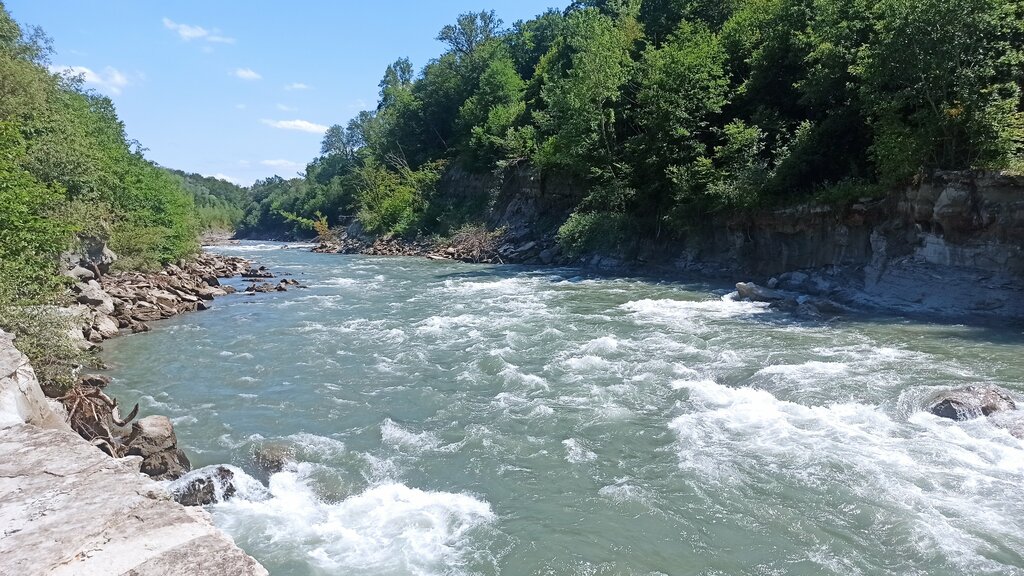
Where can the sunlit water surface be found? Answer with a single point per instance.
(459, 419)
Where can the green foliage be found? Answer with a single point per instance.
(31, 234)
(587, 232)
(667, 111)
(67, 168)
(940, 79)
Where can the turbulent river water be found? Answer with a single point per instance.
(459, 419)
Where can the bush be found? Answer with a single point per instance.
(587, 232)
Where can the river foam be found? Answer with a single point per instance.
(388, 528)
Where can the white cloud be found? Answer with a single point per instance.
(189, 33)
(286, 108)
(247, 74)
(297, 86)
(300, 125)
(110, 80)
(224, 177)
(241, 106)
(282, 164)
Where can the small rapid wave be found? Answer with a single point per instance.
(388, 528)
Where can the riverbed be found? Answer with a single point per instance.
(460, 419)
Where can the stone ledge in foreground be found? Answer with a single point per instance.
(68, 509)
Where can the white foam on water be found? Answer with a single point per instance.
(602, 345)
(956, 483)
(692, 314)
(576, 451)
(399, 437)
(389, 528)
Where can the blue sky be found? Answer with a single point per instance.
(242, 89)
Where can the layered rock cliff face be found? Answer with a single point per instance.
(66, 508)
(952, 244)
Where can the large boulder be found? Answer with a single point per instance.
(971, 402)
(93, 255)
(106, 326)
(158, 446)
(91, 294)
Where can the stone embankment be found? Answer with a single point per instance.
(67, 508)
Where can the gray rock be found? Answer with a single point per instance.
(755, 293)
(81, 274)
(206, 486)
(273, 458)
(92, 295)
(773, 283)
(158, 447)
(547, 256)
(106, 326)
(971, 402)
(21, 399)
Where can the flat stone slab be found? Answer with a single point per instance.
(67, 509)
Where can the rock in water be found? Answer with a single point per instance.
(755, 293)
(272, 458)
(971, 402)
(206, 486)
(158, 446)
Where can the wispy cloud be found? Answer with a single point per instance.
(110, 79)
(286, 108)
(280, 164)
(189, 32)
(300, 125)
(241, 106)
(246, 74)
(297, 86)
(224, 177)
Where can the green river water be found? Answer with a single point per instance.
(460, 419)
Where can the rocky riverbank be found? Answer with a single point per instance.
(112, 303)
(68, 509)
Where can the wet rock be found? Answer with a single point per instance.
(158, 446)
(206, 486)
(971, 402)
(260, 272)
(273, 458)
(755, 293)
(262, 288)
(94, 380)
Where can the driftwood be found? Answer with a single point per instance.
(91, 414)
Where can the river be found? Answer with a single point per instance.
(458, 419)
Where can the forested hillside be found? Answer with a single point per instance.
(667, 111)
(69, 172)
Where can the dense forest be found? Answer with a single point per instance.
(668, 111)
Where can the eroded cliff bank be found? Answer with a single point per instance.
(951, 244)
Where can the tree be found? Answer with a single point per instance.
(939, 80)
(470, 31)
